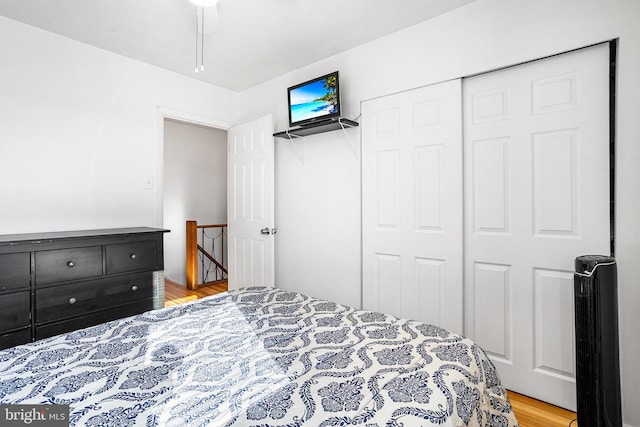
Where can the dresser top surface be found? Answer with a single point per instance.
(9, 239)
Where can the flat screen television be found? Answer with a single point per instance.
(314, 100)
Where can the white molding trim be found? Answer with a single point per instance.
(183, 116)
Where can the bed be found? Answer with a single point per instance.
(259, 357)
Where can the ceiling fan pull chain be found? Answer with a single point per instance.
(196, 41)
(202, 43)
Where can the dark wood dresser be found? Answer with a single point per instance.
(52, 283)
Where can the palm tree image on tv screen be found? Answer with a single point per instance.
(315, 99)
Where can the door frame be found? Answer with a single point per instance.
(163, 113)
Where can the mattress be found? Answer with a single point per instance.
(259, 357)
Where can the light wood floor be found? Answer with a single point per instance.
(175, 293)
(529, 412)
(534, 413)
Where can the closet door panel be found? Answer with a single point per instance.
(536, 156)
(412, 204)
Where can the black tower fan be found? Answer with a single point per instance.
(597, 354)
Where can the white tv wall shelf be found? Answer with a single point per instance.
(315, 128)
(318, 127)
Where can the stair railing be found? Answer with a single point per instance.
(205, 254)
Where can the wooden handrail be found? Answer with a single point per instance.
(192, 252)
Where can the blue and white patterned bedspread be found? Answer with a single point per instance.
(260, 357)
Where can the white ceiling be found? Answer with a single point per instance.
(256, 40)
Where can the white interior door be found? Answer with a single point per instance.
(412, 204)
(536, 154)
(250, 204)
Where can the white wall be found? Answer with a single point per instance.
(78, 132)
(317, 214)
(194, 188)
(318, 203)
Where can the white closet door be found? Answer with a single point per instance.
(536, 154)
(412, 204)
(250, 204)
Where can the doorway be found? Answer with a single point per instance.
(194, 185)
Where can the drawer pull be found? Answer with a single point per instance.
(71, 264)
(134, 288)
(72, 300)
(133, 256)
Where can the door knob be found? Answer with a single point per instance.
(265, 231)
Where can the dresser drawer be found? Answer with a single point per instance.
(133, 256)
(15, 271)
(14, 311)
(69, 325)
(77, 299)
(68, 264)
(15, 338)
